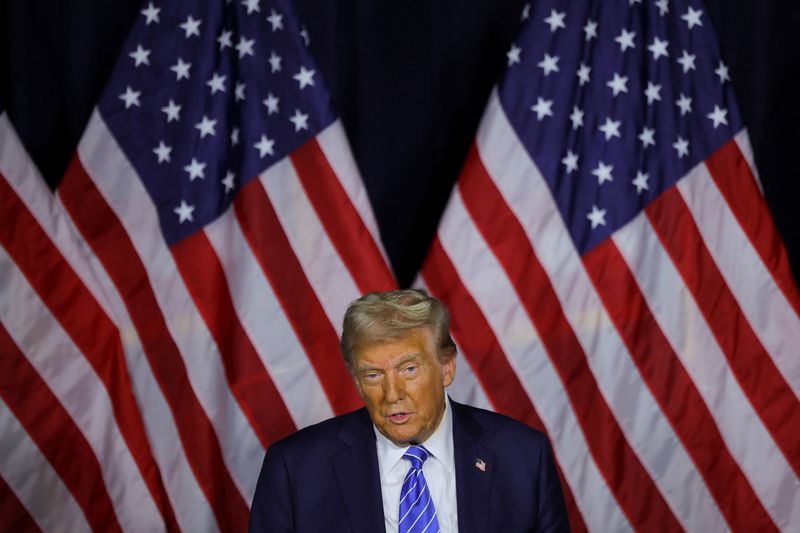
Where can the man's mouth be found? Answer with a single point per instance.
(398, 418)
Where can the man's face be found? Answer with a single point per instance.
(402, 382)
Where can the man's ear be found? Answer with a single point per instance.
(448, 369)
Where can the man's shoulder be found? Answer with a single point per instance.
(326, 433)
(497, 426)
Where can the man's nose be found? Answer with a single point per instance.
(394, 388)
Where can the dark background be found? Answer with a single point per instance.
(409, 79)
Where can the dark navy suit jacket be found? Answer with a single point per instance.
(325, 478)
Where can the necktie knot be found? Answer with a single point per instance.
(417, 455)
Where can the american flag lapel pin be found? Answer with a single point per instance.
(480, 464)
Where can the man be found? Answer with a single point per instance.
(411, 460)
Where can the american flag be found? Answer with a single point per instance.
(616, 279)
(176, 306)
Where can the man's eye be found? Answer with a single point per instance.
(411, 369)
(371, 376)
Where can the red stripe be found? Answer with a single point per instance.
(300, 303)
(486, 357)
(674, 390)
(13, 515)
(341, 220)
(248, 379)
(636, 492)
(92, 331)
(764, 385)
(104, 232)
(56, 435)
(736, 182)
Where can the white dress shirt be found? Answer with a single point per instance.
(439, 471)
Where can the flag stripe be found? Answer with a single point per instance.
(484, 354)
(737, 183)
(30, 476)
(632, 485)
(680, 401)
(256, 306)
(15, 516)
(88, 327)
(246, 375)
(50, 426)
(342, 222)
(762, 382)
(266, 238)
(102, 229)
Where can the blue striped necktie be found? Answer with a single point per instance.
(417, 513)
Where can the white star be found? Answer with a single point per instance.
(305, 36)
(271, 101)
(610, 128)
(576, 117)
(513, 54)
(603, 173)
(151, 13)
(687, 61)
(274, 61)
(570, 161)
(692, 18)
(228, 181)
(140, 56)
(275, 20)
(234, 136)
(216, 83)
(543, 108)
(555, 20)
(722, 72)
(300, 120)
(663, 7)
(305, 77)
(653, 92)
(685, 103)
(597, 217)
(224, 40)
(252, 6)
(583, 74)
(590, 29)
(181, 69)
(658, 48)
(191, 27)
(172, 110)
(265, 146)
(195, 170)
(647, 137)
(549, 64)
(619, 84)
(718, 116)
(245, 47)
(130, 97)
(625, 39)
(184, 212)
(239, 92)
(682, 146)
(640, 181)
(526, 12)
(206, 127)
(162, 151)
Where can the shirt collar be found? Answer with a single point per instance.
(440, 444)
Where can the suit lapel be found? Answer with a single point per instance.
(474, 465)
(357, 474)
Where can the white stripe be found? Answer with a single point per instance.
(37, 486)
(265, 323)
(324, 269)
(189, 503)
(465, 387)
(743, 141)
(638, 414)
(684, 326)
(769, 313)
(333, 142)
(487, 282)
(121, 188)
